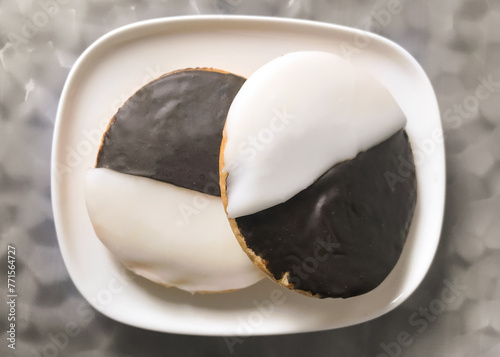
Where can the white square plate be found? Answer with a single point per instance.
(119, 63)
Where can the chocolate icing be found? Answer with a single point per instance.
(171, 129)
(341, 236)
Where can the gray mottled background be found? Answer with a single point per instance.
(458, 44)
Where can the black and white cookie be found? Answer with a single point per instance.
(309, 144)
(154, 198)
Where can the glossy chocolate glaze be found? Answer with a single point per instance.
(341, 236)
(171, 129)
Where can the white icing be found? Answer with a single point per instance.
(168, 234)
(295, 118)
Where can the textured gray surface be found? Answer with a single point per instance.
(458, 44)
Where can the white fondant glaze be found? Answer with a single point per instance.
(295, 118)
(168, 234)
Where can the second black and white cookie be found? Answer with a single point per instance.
(153, 198)
(310, 145)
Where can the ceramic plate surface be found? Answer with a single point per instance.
(119, 63)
